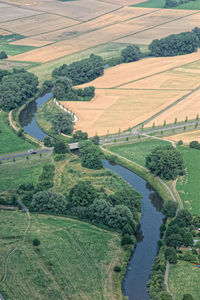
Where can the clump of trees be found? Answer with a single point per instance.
(3, 55)
(195, 145)
(16, 88)
(131, 53)
(48, 201)
(175, 44)
(82, 71)
(91, 155)
(79, 135)
(170, 208)
(63, 122)
(61, 147)
(174, 3)
(165, 162)
(62, 90)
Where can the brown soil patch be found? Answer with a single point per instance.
(114, 109)
(9, 13)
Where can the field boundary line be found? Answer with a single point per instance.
(157, 138)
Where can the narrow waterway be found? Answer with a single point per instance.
(139, 269)
(27, 117)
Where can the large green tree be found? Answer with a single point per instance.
(165, 162)
(131, 53)
(91, 155)
(47, 201)
(63, 122)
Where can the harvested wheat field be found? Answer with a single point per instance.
(189, 107)
(113, 109)
(38, 24)
(185, 137)
(123, 74)
(9, 12)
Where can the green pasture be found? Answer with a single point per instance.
(184, 278)
(138, 151)
(15, 49)
(193, 5)
(9, 141)
(188, 186)
(75, 260)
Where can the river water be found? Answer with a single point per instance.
(139, 268)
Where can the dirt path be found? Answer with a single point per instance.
(166, 279)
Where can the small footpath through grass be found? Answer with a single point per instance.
(188, 186)
(184, 278)
(75, 260)
(9, 141)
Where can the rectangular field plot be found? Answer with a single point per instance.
(127, 73)
(82, 10)
(189, 108)
(114, 109)
(38, 24)
(9, 13)
(185, 137)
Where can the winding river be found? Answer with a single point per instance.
(139, 268)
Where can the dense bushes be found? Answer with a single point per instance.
(174, 3)
(47, 201)
(169, 209)
(165, 162)
(16, 88)
(82, 71)
(45, 180)
(175, 44)
(62, 123)
(131, 53)
(195, 145)
(3, 55)
(91, 155)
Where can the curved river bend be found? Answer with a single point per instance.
(139, 268)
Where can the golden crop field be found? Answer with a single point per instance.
(112, 109)
(185, 137)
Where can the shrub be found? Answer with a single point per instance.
(117, 269)
(128, 240)
(127, 229)
(3, 55)
(47, 201)
(170, 254)
(187, 297)
(194, 144)
(61, 147)
(131, 53)
(169, 209)
(36, 242)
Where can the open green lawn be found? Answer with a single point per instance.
(188, 185)
(138, 151)
(107, 51)
(15, 173)
(75, 260)
(9, 141)
(161, 3)
(15, 49)
(183, 279)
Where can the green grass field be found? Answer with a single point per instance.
(184, 278)
(161, 3)
(74, 260)
(9, 141)
(15, 173)
(188, 185)
(138, 151)
(15, 49)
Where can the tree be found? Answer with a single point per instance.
(194, 144)
(171, 256)
(169, 209)
(164, 295)
(183, 218)
(99, 210)
(119, 216)
(165, 162)
(187, 297)
(174, 240)
(82, 194)
(47, 201)
(3, 55)
(95, 139)
(128, 240)
(62, 86)
(62, 122)
(48, 141)
(61, 148)
(91, 155)
(79, 135)
(188, 239)
(131, 53)
(127, 229)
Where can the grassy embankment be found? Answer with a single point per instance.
(183, 279)
(9, 141)
(44, 116)
(193, 5)
(74, 260)
(188, 185)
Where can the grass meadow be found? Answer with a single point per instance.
(138, 151)
(193, 5)
(15, 49)
(183, 279)
(9, 141)
(75, 260)
(188, 185)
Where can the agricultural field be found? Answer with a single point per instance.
(138, 151)
(184, 279)
(192, 5)
(9, 141)
(188, 185)
(186, 137)
(48, 272)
